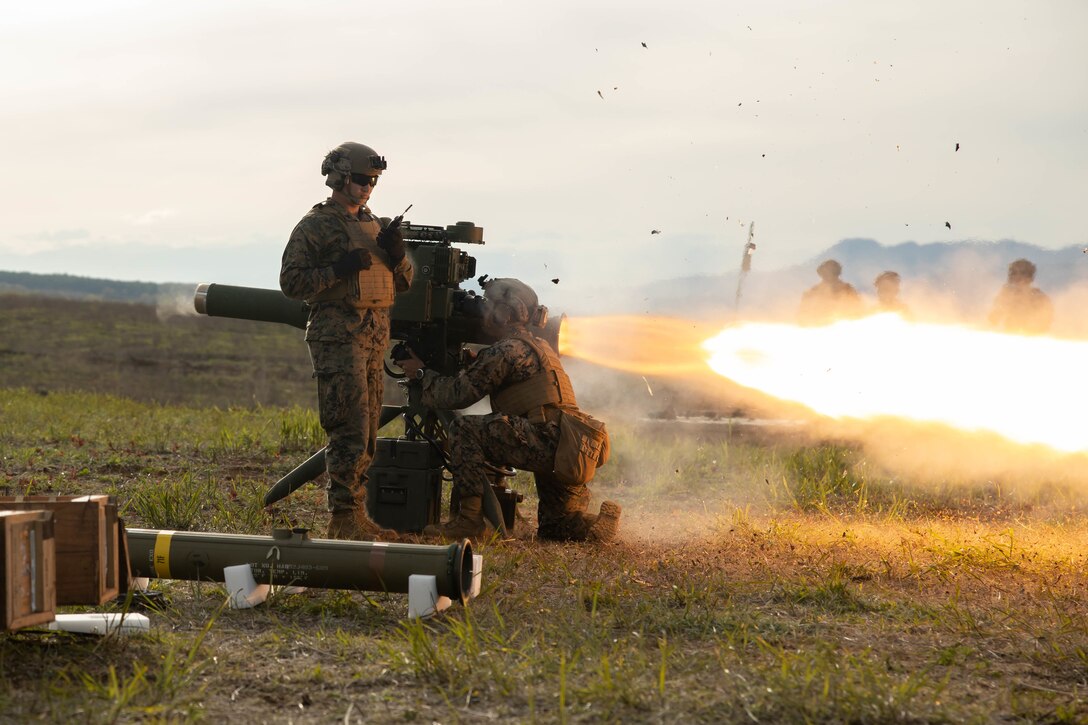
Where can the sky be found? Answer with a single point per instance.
(181, 142)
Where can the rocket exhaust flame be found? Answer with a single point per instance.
(657, 346)
(1025, 389)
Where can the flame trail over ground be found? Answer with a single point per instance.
(1027, 389)
(663, 346)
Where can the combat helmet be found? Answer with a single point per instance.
(514, 302)
(1022, 268)
(829, 270)
(350, 158)
(887, 277)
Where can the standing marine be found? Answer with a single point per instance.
(530, 395)
(1021, 307)
(829, 300)
(887, 294)
(348, 265)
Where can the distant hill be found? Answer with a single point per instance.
(90, 288)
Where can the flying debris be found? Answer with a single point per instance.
(645, 46)
(947, 224)
(957, 145)
(600, 94)
(655, 231)
(555, 280)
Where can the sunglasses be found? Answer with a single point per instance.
(364, 180)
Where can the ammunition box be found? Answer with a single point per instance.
(28, 560)
(403, 453)
(404, 485)
(88, 551)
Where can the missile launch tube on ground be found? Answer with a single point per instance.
(250, 303)
(291, 557)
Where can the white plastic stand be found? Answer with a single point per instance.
(423, 599)
(140, 583)
(245, 592)
(477, 575)
(101, 623)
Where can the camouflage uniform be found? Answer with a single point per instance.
(887, 295)
(1023, 309)
(479, 440)
(347, 334)
(828, 301)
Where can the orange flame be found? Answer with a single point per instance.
(876, 367)
(664, 346)
(1026, 389)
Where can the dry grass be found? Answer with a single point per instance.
(755, 581)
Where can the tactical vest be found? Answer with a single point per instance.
(370, 288)
(540, 397)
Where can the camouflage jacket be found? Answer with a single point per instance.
(1022, 309)
(317, 242)
(829, 301)
(498, 366)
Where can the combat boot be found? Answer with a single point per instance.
(355, 525)
(467, 524)
(607, 525)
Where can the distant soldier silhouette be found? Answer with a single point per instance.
(831, 299)
(1020, 307)
(887, 294)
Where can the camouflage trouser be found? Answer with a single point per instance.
(350, 383)
(476, 440)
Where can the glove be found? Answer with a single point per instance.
(351, 263)
(392, 241)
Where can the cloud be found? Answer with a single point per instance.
(46, 240)
(154, 216)
(57, 236)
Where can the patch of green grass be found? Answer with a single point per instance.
(824, 684)
(819, 478)
(834, 593)
(178, 505)
(157, 678)
(300, 430)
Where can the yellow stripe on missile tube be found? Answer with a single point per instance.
(162, 554)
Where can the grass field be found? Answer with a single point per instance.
(757, 578)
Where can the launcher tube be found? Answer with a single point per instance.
(250, 303)
(291, 557)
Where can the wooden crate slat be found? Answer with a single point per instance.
(28, 560)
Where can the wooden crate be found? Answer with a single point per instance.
(87, 534)
(28, 558)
